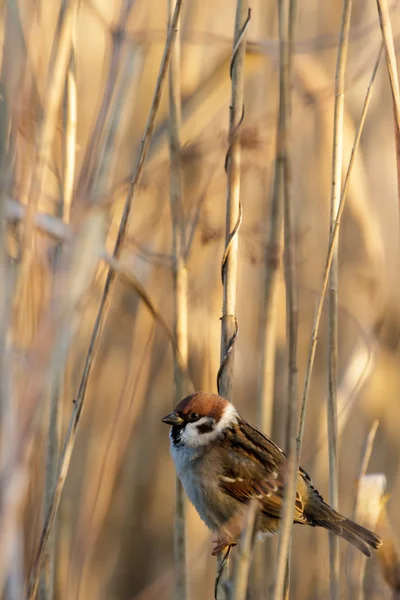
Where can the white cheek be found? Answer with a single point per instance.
(229, 417)
(191, 436)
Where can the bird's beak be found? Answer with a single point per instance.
(172, 419)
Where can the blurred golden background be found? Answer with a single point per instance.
(113, 537)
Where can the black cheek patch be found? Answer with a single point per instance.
(205, 428)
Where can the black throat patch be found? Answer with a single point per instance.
(176, 435)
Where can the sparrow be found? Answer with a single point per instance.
(224, 463)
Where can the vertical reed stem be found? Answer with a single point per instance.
(337, 160)
(180, 291)
(286, 17)
(233, 215)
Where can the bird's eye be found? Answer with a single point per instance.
(194, 416)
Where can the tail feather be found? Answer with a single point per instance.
(357, 535)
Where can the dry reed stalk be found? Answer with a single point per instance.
(54, 440)
(332, 242)
(333, 301)
(357, 579)
(269, 308)
(229, 326)
(317, 88)
(233, 205)
(58, 67)
(45, 361)
(242, 565)
(358, 369)
(71, 122)
(387, 35)
(103, 308)
(108, 152)
(7, 407)
(202, 105)
(87, 173)
(286, 19)
(269, 313)
(268, 318)
(180, 280)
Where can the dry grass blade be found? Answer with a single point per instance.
(286, 18)
(103, 309)
(332, 242)
(387, 35)
(180, 278)
(56, 228)
(333, 304)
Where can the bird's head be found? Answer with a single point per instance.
(200, 419)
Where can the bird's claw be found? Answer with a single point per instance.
(221, 546)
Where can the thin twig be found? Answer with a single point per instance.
(221, 566)
(103, 309)
(332, 417)
(332, 242)
(179, 273)
(283, 175)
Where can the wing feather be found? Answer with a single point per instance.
(253, 468)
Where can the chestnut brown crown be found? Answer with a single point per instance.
(196, 406)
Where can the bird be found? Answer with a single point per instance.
(223, 463)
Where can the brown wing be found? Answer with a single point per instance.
(254, 468)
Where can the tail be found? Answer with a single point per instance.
(360, 537)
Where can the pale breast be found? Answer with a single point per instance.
(198, 475)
